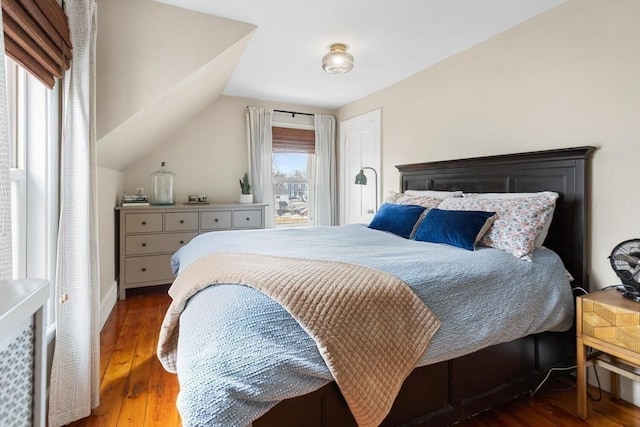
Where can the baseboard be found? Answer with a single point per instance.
(107, 303)
(629, 390)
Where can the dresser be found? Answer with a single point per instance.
(609, 324)
(149, 236)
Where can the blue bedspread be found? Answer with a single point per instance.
(240, 353)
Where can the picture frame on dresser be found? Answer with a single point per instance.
(147, 236)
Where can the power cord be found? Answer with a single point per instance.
(547, 377)
(595, 371)
(532, 393)
(569, 368)
(578, 288)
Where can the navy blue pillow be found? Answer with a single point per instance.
(397, 219)
(456, 228)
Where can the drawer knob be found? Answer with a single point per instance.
(144, 244)
(182, 242)
(247, 218)
(215, 220)
(144, 222)
(144, 269)
(182, 221)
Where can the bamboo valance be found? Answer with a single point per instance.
(292, 140)
(36, 36)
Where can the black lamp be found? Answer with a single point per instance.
(361, 179)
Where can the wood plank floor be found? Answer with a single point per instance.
(137, 391)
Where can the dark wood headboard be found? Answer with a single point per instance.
(564, 171)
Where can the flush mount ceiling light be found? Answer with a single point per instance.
(337, 60)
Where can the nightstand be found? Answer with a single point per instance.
(610, 323)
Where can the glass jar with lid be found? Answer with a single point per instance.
(163, 190)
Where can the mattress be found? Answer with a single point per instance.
(240, 353)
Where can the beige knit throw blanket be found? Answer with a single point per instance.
(369, 326)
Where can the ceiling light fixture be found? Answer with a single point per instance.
(338, 60)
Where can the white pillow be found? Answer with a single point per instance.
(433, 193)
(545, 228)
(518, 221)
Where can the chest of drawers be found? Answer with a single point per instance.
(149, 235)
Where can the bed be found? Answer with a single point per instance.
(448, 386)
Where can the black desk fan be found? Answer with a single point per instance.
(625, 261)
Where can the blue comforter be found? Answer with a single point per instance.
(240, 353)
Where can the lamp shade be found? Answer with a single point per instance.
(361, 178)
(338, 60)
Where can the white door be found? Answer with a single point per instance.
(360, 147)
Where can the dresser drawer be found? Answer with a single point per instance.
(148, 269)
(149, 236)
(155, 243)
(180, 221)
(614, 325)
(215, 220)
(247, 218)
(143, 222)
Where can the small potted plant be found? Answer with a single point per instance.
(245, 187)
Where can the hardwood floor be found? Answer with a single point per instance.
(136, 391)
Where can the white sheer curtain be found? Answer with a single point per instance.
(75, 384)
(5, 179)
(260, 145)
(325, 177)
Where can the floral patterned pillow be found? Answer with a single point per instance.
(425, 201)
(517, 222)
(393, 197)
(545, 229)
(434, 193)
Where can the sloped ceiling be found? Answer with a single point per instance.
(390, 40)
(159, 64)
(157, 67)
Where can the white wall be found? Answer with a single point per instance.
(157, 67)
(109, 190)
(568, 77)
(209, 154)
(145, 48)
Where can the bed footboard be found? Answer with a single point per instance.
(434, 395)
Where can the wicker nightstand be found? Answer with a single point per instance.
(609, 323)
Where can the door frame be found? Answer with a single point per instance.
(376, 117)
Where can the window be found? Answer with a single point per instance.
(293, 160)
(34, 129)
(15, 112)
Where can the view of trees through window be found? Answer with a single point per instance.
(291, 187)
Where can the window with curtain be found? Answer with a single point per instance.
(293, 175)
(33, 134)
(38, 50)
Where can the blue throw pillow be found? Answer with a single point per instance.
(397, 219)
(456, 228)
